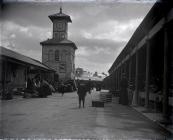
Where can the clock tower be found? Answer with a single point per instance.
(58, 52)
(60, 26)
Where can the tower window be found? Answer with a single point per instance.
(62, 36)
(56, 36)
(50, 55)
(57, 55)
(62, 68)
(63, 55)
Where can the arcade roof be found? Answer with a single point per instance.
(159, 10)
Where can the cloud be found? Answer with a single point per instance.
(100, 30)
(113, 30)
(103, 1)
(24, 39)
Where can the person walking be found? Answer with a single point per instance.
(81, 91)
(62, 88)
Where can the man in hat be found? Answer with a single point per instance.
(81, 91)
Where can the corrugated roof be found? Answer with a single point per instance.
(17, 56)
(57, 42)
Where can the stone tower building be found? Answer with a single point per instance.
(58, 52)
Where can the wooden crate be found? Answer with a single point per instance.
(97, 104)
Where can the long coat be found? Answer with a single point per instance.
(81, 90)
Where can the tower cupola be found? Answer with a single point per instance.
(60, 25)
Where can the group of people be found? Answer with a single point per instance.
(82, 89)
(62, 88)
(37, 87)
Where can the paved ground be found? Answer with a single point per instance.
(60, 117)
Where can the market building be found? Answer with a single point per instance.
(147, 61)
(16, 69)
(58, 52)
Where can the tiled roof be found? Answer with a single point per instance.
(57, 42)
(22, 58)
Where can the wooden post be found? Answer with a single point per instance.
(136, 77)
(4, 80)
(147, 74)
(165, 76)
(130, 70)
(118, 79)
(113, 82)
(129, 82)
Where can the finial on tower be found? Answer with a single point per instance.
(60, 10)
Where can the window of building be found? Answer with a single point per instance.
(50, 55)
(57, 55)
(63, 55)
(62, 36)
(56, 36)
(62, 68)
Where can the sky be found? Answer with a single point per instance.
(100, 28)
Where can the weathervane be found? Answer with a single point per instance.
(60, 6)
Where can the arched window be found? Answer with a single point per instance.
(50, 55)
(57, 55)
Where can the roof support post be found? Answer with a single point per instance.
(130, 70)
(165, 77)
(136, 77)
(147, 74)
(118, 78)
(114, 82)
(130, 78)
(4, 78)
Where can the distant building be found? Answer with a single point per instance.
(58, 52)
(82, 74)
(79, 72)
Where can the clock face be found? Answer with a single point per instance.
(59, 26)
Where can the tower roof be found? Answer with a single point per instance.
(60, 15)
(56, 42)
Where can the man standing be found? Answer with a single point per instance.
(62, 88)
(81, 91)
